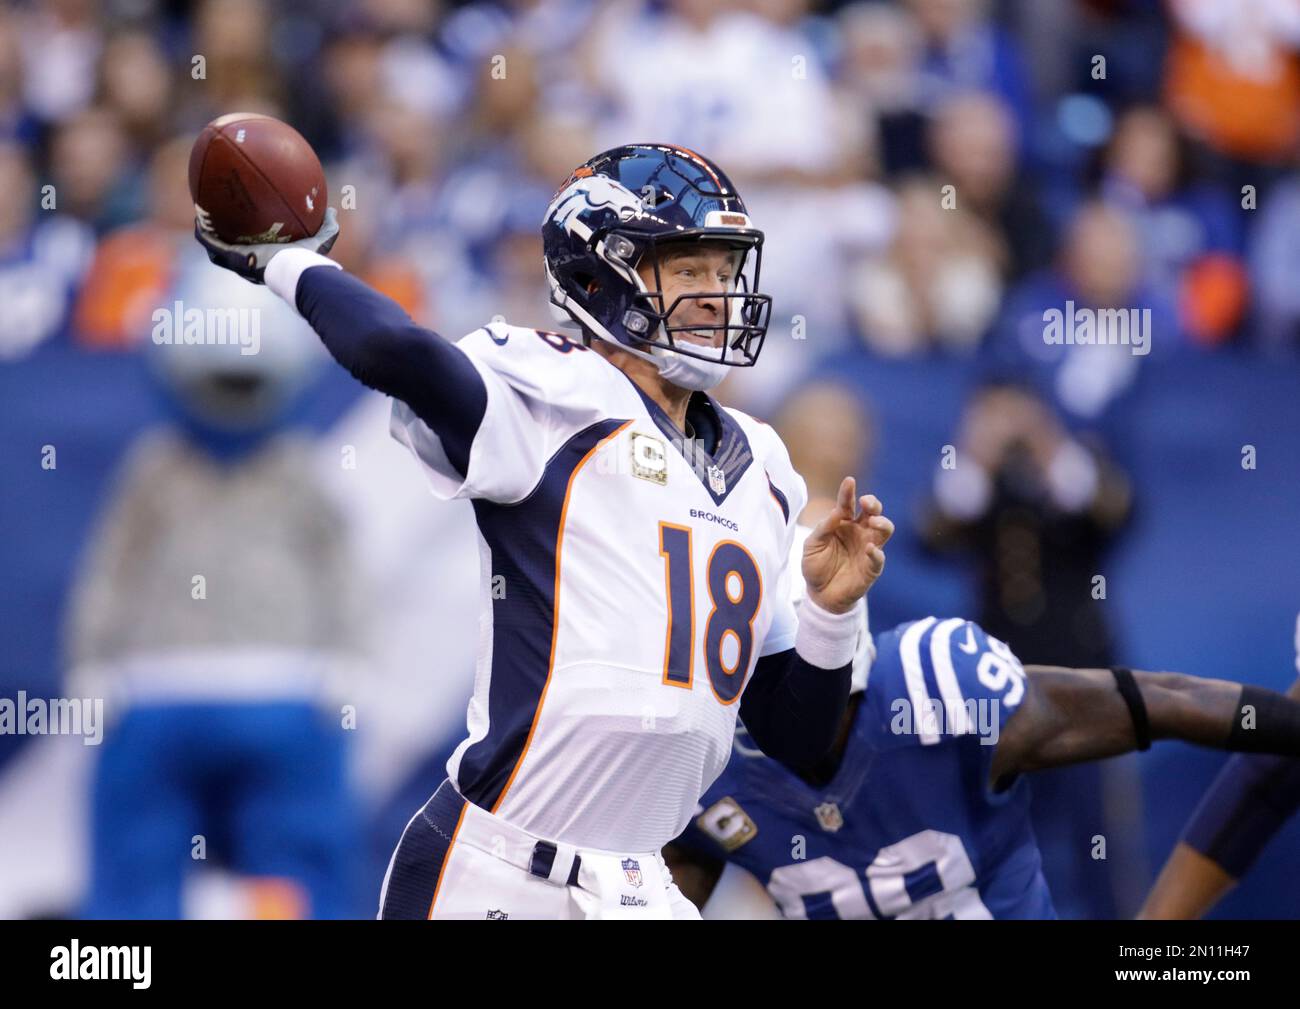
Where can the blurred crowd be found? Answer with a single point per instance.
(1118, 153)
(931, 176)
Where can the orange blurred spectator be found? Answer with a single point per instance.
(1232, 78)
(135, 265)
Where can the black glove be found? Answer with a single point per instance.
(249, 261)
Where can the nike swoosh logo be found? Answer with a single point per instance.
(968, 646)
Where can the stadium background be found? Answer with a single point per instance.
(453, 124)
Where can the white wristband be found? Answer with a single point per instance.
(824, 639)
(285, 268)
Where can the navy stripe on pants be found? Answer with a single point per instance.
(421, 853)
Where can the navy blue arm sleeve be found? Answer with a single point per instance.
(373, 337)
(1246, 805)
(792, 708)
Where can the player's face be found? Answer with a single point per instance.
(697, 269)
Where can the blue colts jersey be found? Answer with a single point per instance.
(909, 826)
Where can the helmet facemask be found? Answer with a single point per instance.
(656, 323)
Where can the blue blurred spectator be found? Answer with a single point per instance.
(964, 49)
(1190, 232)
(42, 259)
(1274, 266)
(1099, 269)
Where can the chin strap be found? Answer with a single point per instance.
(691, 373)
(698, 376)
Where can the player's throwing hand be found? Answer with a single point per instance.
(844, 555)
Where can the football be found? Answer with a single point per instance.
(254, 179)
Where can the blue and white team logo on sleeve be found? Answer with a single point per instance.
(956, 681)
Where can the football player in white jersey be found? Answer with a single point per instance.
(634, 534)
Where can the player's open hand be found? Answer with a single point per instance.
(844, 555)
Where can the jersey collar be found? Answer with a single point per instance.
(731, 457)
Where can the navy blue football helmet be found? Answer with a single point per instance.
(634, 201)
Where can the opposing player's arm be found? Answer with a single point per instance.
(1190, 884)
(1074, 715)
(1247, 804)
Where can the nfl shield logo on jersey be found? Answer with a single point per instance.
(829, 816)
(632, 871)
(717, 480)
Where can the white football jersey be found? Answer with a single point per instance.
(627, 591)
